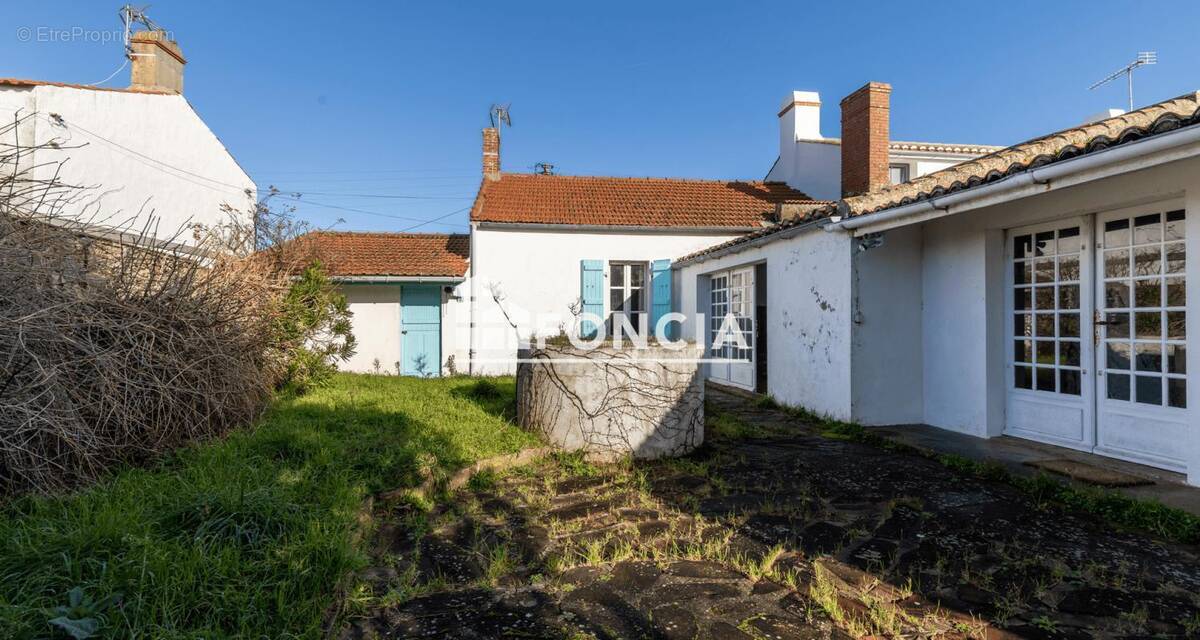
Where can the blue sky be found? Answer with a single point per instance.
(387, 99)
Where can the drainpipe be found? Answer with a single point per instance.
(1006, 189)
(471, 314)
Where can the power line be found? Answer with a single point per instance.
(373, 195)
(326, 205)
(138, 155)
(435, 220)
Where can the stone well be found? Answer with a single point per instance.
(611, 403)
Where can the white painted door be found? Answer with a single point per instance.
(1142, 410)
(731, 317)
(1049, 298)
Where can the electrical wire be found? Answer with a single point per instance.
(111, 75)
(140, 156)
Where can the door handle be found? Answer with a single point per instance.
(404, 332)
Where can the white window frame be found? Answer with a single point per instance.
(627, 287)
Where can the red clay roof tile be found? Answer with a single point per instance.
(347, 253)
(634, 202)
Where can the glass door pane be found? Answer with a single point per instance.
(1144, 338)
(1046, 308)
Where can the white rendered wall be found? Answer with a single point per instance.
(376, 326)
(808, 316)
(813, 167)
(134, 185)
(965, 374)
(537, 273)
(887, 348)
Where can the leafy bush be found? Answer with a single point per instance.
(313, 330)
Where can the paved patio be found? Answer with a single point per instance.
(1015, 454)
(783, 534)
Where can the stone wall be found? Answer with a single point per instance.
(611, 403)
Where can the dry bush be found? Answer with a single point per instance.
(115, 350)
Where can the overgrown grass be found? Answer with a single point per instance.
(249, 536)
(1113, 506)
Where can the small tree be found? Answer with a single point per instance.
(313, 330)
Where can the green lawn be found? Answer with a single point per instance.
(247, 536)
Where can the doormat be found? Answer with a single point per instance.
(1089, 473)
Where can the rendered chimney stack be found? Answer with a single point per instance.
(157, 62)
(491, 153)
(799, 119)
(865, 115)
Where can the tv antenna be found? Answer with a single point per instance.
(130, 15)
(1143, 58)
(499, 113)
(543, 168)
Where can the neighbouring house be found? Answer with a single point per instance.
(812, 163)
(547, 247)
(149, 160)
(1041, 291)
(406, 294)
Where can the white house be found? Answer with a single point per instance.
(148, 159)
(1041, 291)
(406, 292)
(812, 162)
(546, 247)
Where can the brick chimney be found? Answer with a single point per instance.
(157, 62)
(865, 138)
(491, 153)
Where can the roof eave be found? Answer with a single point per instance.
(388, 279)
(1148, 152)
(545, 226)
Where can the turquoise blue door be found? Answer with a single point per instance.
(421, 329)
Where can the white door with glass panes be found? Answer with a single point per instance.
(1141, 403)
(1098, 339)
(730, 318)
(1051, 378)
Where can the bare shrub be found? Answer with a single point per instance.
(117, 348)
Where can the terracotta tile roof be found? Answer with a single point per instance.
(633, 202)
(1055, 147)
(1047, 149)
(927, 147)
(18, 82)
(347, 253)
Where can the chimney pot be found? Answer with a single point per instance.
(865, 116)
(491, 153)
(157, 62)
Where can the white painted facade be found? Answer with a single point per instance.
(376, 324)
(812, 163)
(808, 321)
(920, 329)
(148, 159)
(536, 271)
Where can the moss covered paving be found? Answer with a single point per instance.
(249, 536)
(783, 526)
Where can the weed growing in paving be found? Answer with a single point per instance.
(1113, 506)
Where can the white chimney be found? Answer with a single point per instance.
(799, 118)
(1103, 115)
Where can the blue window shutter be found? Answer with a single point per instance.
(660, 283)
(591, 285)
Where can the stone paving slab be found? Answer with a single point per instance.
(791, 535)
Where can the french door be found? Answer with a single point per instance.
(1051, 383)
(1142, 386)
(730, 321)
(1098, 339)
